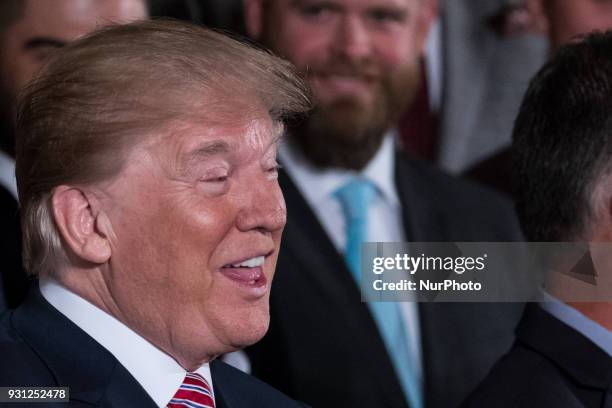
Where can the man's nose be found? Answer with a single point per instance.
(263, 208)
(353, 41)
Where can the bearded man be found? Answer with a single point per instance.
(345, 183)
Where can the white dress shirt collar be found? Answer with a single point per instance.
(158, 373)
(590, 329)
(322, 183)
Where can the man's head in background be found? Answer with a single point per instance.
(563, 157)
(146, 167)
(32, 29)
(563, 148)
(565, 20)
(361, 58)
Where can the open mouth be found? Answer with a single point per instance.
(248, 272)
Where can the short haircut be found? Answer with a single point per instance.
(562, 141)
(99, 96)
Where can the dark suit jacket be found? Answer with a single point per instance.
(41, 347)
(323, 346)
(550, 366)
(13, 280)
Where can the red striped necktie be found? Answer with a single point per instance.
(195, 392)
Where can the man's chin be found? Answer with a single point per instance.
(249, 329)
(352, 120)
(347, 104)
(364, 97)
(244, 339)
(344, 113)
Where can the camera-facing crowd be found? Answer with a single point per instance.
(184, 208)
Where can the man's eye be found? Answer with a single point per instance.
(275, 168)
(273, 171)
(215, 176)
(220, 179)
(316, 11)
(387, 16)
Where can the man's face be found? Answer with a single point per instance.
(359, 56)
(47, 25)
(567, 19)
(197, 216)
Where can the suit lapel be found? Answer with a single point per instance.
(94, 375)
(449, 331)
(424, 222)
(586, 363)
(421, 218)
(124, 391)
(220, 399)
(228, 394)
(306, 241)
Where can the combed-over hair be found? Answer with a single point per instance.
(99, 96)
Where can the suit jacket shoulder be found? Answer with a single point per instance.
(41, 347)
(550, 365)
(235, 389)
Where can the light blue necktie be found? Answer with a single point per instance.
(355, 198)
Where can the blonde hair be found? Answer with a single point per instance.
(102, 94)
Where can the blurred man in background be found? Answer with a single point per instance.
(345, 184)
(563, 353)
(480, 55)
(560, 21)
(30, 30)
(565, 21)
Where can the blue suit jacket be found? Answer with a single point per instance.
(40, 347)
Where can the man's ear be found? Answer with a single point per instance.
(253, 17)
(427, 15)
(84, 228)
(538, 16)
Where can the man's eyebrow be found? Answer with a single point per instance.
(192, 158)
(317, 3)
(40, 42)
(209, 149)
(393, 11)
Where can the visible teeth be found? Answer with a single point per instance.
(251, 263)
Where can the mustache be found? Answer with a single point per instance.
(364, 71)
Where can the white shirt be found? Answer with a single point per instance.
(7, 173)
(590, 329)
(384, 219)
(158, 373)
